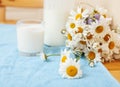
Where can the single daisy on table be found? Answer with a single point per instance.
(70, 69)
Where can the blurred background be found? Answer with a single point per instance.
(13, 10)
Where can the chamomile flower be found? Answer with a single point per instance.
(71, 25)
(93, 55)
(112, 46)
(106, 53)
(70, 69)
(79, 14)
(76, 15)
(100, 29)
(116, 38)
(64, 55)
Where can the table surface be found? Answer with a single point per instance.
(19, 71)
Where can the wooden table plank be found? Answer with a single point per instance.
(114, 68)
(116, 74)
(114, 65)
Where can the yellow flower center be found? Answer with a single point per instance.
(80, 30)
(104, 16)
(82, 10)
(83, 42)
(91, 55)
(64, 58)
(95, 11)
(72, 25)
(69, 37)
(99, 29)
(111, 45)
(71, 71)
(78, 16)
(106, 37)
(100, 50)
(89, 36)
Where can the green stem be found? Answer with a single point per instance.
(53, 55)
(77, 58)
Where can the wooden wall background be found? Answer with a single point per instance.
(13, 10)
(16, 13)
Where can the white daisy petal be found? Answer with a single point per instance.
(43, 56)
(70, 69)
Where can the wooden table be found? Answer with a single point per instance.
(114, 68)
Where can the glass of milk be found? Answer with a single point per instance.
(55, 16)
(30, 37)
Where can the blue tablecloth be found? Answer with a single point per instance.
(19, 71)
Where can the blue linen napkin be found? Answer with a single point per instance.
(20, 71)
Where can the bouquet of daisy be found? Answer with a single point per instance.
(88, 31)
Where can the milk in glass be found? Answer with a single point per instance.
(30, 38)
(56, 13)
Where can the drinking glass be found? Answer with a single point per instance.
(30, 37)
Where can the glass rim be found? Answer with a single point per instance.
(29, 21)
